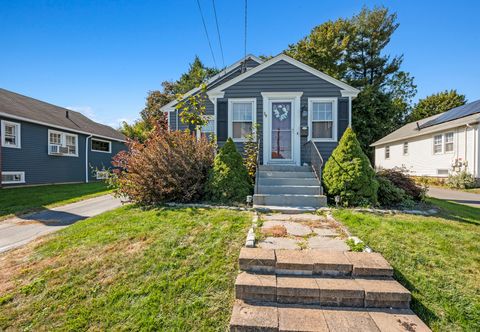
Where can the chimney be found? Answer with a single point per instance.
(66, 114)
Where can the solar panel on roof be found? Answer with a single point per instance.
(454, 113)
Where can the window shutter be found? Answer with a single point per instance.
(222, 121)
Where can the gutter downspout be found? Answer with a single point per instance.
(86, 158)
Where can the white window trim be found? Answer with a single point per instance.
(63, 143)
(22, 176)
(445, 142)
(231, 101)
(389, 152)
(210, 117)
(101, 140)
(18, 138)
(403, 148)
(433, 144)
(334, 102)
(102, 175)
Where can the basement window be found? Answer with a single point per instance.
(13, 177)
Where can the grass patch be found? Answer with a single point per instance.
(436, 258)
(127, 269)
(17, 201)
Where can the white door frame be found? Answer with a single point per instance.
(268, 98)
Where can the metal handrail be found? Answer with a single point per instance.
(257, 167)
(316, 160)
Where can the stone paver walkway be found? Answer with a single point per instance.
(300, 231)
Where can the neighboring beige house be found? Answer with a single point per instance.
(435, 146)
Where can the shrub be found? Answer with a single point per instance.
(388, 194)
(169, 166)
(461, 180)
(228, 180)
(251, 151)
(401, 180)
(348, 173)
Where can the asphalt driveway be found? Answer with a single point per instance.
(456, 196)
(17, 231)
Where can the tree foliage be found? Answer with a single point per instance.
(353, 50)
(348, 173)
(228, 180)
(437, 103)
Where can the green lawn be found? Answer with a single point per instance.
(28, 199)
(436, 258)
(128, 269)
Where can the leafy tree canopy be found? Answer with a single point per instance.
(437, 103)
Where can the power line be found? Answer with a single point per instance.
(218, 32)
(206, 33)
(245, 43)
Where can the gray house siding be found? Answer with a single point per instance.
(100, 160)
(42, 168)
(285, 77)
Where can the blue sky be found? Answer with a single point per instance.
(102, 57)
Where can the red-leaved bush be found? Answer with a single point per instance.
(168, 166)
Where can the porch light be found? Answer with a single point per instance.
(304, 111)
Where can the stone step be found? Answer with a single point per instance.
(288, 181)
(314, 262)
(284, 168)
(284, 209)
(277, 317)
(327, 292)
(277, 174)
(289, 190)
(290, 200)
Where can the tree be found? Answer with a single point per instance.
(353, 50)
(228, 180)
(348, 173)
(437, 103)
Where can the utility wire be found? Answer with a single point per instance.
(206, 33)
(218, 32)
(245, 43)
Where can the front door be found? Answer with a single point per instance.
(281, 128)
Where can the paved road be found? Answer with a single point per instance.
(17, 231)
(460, 197)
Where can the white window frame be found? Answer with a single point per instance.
(210, 117)
(18, 137)
(22, 177)
(63, 143)
(387, 148)
(334, 102)
(102, 175)
(232, 101)
(405, 145)
(100, 140)
(445, 142)
(441, 144)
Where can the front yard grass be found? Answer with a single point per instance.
(17, 201)
(128, 269)
(436, 258)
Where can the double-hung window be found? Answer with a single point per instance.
(437, 144)
(448, 142)
(10, 134)
(322, 115)
(241, 118)
(387, 152)
(209, 128)
(62, 144)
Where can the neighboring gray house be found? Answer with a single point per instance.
(43, 143)
(298, 108)
(294, 103)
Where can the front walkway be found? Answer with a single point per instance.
(456, 196)
(18, 231)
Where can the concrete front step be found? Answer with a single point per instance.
(284, 209)
(290, 200)
(314, 262)
(288, 181)
(284, 168)
(277, 317)
(276, 174)
(289, 190)
(334, 292)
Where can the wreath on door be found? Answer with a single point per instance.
(280, 112)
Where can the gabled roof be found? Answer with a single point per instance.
(222, 74)
(347, 90)
(428, 126)
(23, 108)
